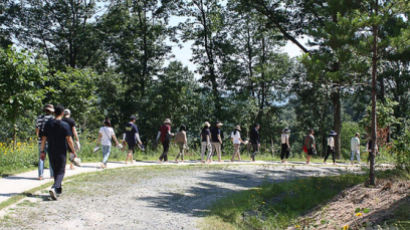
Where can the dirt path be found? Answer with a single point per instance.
(146, 198)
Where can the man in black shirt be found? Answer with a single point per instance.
(73, 157)
(216, 139)
(255, 141)
(58, 135)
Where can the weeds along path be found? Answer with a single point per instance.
(147, 198)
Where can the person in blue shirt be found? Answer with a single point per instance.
(131, 137)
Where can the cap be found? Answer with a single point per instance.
(49, 107)
(167, 121)
(67, 112)
(207, 124)
(238, 127)
(219, 123)
(332, 133)
(132, 117)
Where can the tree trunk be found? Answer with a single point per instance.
(372, 179)
(337, 121)
(14, 135)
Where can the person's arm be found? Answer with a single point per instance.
(77, 140)
(115, 140)
(37, 132)
(219, 138)
(208, 139)
(287, 141)
(42, 148)
(137, 137)
(99, 138)
(70, 143)
(185, 139)
(158, 136)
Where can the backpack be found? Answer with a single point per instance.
(180, 138)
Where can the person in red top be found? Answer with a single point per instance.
(164, 134)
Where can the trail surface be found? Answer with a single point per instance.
(158, 197)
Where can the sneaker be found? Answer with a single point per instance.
(77, 162)
(53, 194)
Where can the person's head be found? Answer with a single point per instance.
(167, 121)
(59, 110)
(257, 126)
(182, 128)
(311, 131)
(133, 118)
(286, 131)
(67, 113)
(357, 135)
(207, 124)
(48, 109)
(332, 133)
(107, 122)
(219, 124)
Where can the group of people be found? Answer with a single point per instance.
(57, 135)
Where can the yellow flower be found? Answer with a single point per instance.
(359, 214)
(297, 226)
(346, 227)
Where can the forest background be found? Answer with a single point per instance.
(114, 59)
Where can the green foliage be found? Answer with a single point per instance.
(401, 150)
(276, 206)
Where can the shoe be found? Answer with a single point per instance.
(77, 162)
(53, 194)
(40, 178)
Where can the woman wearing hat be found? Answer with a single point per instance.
(206, 142)
(236, 140)
(331, 146)
(165, 135)
(284, 140)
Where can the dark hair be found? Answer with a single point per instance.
(133, 118)
(107, 122)
(235, 131)
(182, 128)
(311, 131)
(58, 110)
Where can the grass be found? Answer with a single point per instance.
(276, 206)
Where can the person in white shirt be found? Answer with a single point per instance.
(355, 148)
(331, 146)
(105, 135)
(284, 142)
(236, 140)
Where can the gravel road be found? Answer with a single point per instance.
(146, 198)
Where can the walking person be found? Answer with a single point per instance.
(164, 134)
(58, 135)
(285, 145)
(206, 143)
(40, 123)
(131, 137)
(310, 145)
(331, 147)
(236, 140)
(255, 140)
(216, 140)
(355, 148)
(369, 149)
(73, 157)
(105, 135)
(181, 141)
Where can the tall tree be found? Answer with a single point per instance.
(8, 14)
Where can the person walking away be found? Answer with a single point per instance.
(285, 145)
(181, 140)
(105, 135)
(131, 137)
(58, 135)
(206, 143)
(255, 140)
(331, 147)
(355, 148)
(73, 157)
(40, 123)
(310, 145)
(216, 140)
(369, 149)
(164, 134)
(236, 140)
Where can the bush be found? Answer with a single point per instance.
(401, 150)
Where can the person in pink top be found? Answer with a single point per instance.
(164, 134)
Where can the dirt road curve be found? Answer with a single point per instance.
(146, 198)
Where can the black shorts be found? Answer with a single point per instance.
(131, 146)
(311, 152)
(284, 149)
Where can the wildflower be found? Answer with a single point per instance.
(346, 227)
(359, 214)
(297, 226)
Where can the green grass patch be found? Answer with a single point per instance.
(278, 205)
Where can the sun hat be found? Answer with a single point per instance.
(332, 133)
(167, 121)
(238, 127)
(207, 124)
(49, 107)
(219, 123)
(67, 112)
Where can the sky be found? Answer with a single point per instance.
(184, 54)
